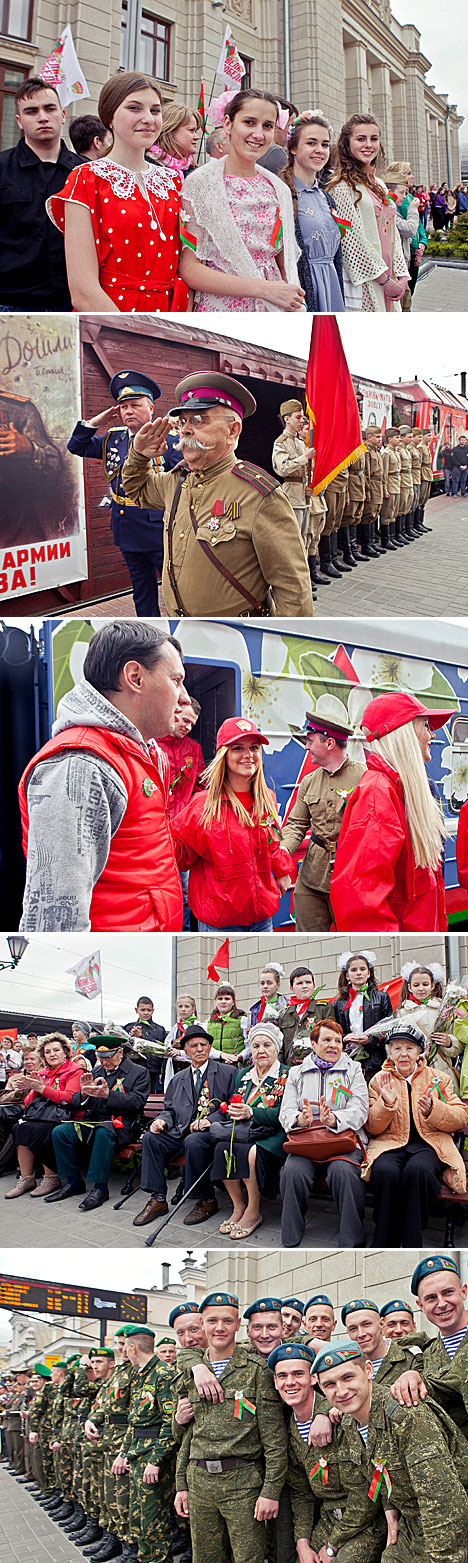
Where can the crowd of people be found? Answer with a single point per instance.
(260, 1103)
(121, 758)
(286, 1443)
(283, 215)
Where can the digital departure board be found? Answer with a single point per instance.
(84, 1302)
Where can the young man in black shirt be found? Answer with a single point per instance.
(32, 255)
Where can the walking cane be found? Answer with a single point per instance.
(153, 1235)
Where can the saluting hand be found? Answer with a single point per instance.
(103, 417)
(151, 438)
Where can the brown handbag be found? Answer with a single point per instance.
(321, 1144)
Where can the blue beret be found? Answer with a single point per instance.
(396, 1306)
(335, 1356)
(319, 1298)
(263, 1305)
(290, 1351)
(428, 1266)
(228, 1298)
(293, 1302)
(356, 1306)
(181, 1309)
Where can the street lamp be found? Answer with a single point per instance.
(17, 946)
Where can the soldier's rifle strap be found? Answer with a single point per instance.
(262, 608)
(170, 533)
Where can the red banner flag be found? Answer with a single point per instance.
(201, 104)
(220, 959)
(331, 403)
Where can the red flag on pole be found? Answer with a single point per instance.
(220, 959)
(201, 105)
(331, 403)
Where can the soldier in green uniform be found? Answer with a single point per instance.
(442, 1372)
(67, 1441)
(416, 1458)
(85, 1391)
(319, 806)
(328, 1491)
(389, 1358)
(148, 1448)
(40, 1433)
(64, 1381)
(230, 534)
(398, 1320)
(264, 1325)
(319, 1318)
(16, 1410)
(292, 1313)
(116, 1489)
(232, 1462)
(102, 1358)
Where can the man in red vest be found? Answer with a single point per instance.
(94, 800)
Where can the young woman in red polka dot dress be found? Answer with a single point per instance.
(120, 214)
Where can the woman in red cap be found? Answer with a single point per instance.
(387, 873)
(229, 837)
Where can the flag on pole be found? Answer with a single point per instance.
(331, 403)
(87, 974)
(201, 105)
(230, 66)
(62, 70)
(220, 959)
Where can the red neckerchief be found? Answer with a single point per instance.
(262, 1009)
(355, 993)
(302, 1005)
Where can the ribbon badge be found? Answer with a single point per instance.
(149, 787)
(380, 1475)
(344, 223)
(241, 1404)
(337, 1088)
(436, 1086)
(147, 1399)
(320, 1468)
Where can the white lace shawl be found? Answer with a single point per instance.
(204, 198)
(362, 254)
(161, 181)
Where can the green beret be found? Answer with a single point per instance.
(429, 1266)
(320, 1297)
(263, 1305)
(166, 1340)
(41, 1370)
(335, 1356)
(181, 1310)
(290, 1351)
(395, 1306)
(101, 1351)
(61, 1363)
(293, 1302)
(140, 1329)
(73, 1360)
(356, 1306)
(227, 1298)
(124, 1329)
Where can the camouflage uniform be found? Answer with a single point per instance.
(63, 1465)
(253, 1450)
(82, 1403)
(116, 1489)
(149, 1440)
(402, 1357)
(40, 1422)
(92, 1459)
(447, 1380)
(427, 1462)
(338, 1511)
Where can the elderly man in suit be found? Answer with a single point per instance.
(192, 1101)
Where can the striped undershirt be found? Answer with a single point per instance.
(363, 1429)
(304, 1428)
(452, 1342)
(377, 1363)
(218, 1367)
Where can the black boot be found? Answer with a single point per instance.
(338, 563)
(354, 545)
(422, 524)
(111, 1548)
(401, 531)
(90, 1536)
(409, 529)
(315, 574)
(396, 533)
(384, 536)
(391, 535)
(348, 555)
(362, 535)
(326, 561)
(66, 1510)
(312, 579)
(373, 545)
(78, 1522)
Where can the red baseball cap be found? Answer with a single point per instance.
(387, 712)
(238, 727)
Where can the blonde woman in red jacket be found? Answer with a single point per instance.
(56, 1082)
(229, 837)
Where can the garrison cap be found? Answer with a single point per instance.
(395, 1306)
(180, 1311)
(356, 1306)
(287, 408)
(430, 1266)
(129, 383)
(140, 1329)
(320, 1297)
(293, 1302)
(334, 1356)
(101, 1351)
(290, 1351)
(197, 392)
(263, 1305)
(42, 1370)
(227, 1298)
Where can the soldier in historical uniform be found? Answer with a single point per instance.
(416, 1459)
(16, 1408)
(331, 1509)
(137, 532)
(442, 1372)
(391, 486)
(319, 808)
(372, 437)
(335, 496)
(33, 501)
(229, 532)
(416, 467)
(302, 1012)
(405, 502)
(291, 461)
(353, 509)
(426, 480)
(232, 1462)
(148, 1448)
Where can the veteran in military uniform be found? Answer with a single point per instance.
(137, 532)
(374, 491)
(319, 808)
(148, 1449)
(231, 541)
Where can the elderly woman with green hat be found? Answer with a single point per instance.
(248, 1148)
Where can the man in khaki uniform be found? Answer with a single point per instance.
(406, 483)
(353, 510)
(319, 806)
(290, 460)
(426, 481)
(230, 534)
(374, 491)
(416, 464)
(335, 496)
(391, 486)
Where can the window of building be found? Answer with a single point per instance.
(16, 18)
(247, 77)
(154, 55)
(11, 77)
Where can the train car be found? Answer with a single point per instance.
(418, 403)
(274, 672)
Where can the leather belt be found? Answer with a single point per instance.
(144, 1432)
(215, 1467)
(319, 841)
(117, 1419)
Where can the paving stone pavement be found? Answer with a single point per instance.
(27, 1224)
(26, 1533)
(442, 288)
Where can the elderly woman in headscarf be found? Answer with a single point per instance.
(248, 1148)
(387, 874)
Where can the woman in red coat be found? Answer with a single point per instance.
(56, 1082)
(229, 837)
(462, 847)
(387, 873)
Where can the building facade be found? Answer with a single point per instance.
(344, 55)
(342, 1273)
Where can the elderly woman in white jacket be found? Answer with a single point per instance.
(328, 1089)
